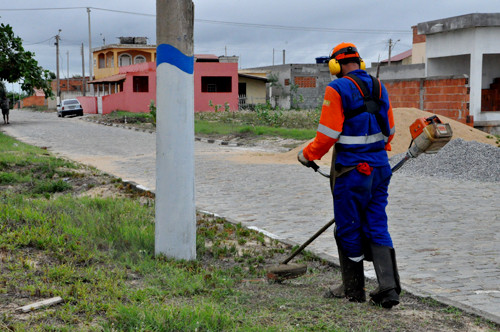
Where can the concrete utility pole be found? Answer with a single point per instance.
(83, 73)
(58, 95)
(175, 225)
(90, 47)
(67, 78)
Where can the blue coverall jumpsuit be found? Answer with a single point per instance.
(359, 199)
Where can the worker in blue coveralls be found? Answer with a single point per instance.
(357, 118)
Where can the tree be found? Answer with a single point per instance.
(16, 64)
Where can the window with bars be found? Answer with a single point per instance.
(140, 84)
(216, 84)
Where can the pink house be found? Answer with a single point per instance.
(215, 82)
(134, 87)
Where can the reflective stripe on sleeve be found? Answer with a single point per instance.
(362, 139)
(328, 132)
(393, 131)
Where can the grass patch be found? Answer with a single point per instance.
(130, 117)
(220, 128)
(98, 255)
(34, 168)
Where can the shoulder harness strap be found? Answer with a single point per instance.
(371, 100)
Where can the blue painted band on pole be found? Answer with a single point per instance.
(166, 53)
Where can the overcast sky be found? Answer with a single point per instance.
(248, 29)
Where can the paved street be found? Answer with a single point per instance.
(445, 232)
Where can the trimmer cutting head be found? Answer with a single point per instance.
(286, 271)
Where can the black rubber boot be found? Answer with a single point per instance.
(353, 281)
(389, 287)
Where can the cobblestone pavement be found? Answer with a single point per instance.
(445, 232)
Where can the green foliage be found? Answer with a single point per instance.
(50, 187)
(268, 116)
(16, 64)
(152, 111)
(296, 98)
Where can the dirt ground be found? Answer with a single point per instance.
(412, 314)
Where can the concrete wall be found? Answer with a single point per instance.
(89, 104)
(450, 65)
(418, 53)
(414, 71)
(311, 80)
(279, 91)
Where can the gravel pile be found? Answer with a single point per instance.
(459, 159)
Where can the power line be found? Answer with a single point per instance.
(287, 27)
(41, 42)
(240, 24)
(37, 9)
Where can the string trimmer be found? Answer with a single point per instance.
(429, 135)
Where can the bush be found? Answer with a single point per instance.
(152, 111)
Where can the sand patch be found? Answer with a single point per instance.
(403, 118)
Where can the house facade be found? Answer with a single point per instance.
(296, 85)
(252, 89)
(468, 45)
(133, 87)
(455, 70)
(108, 59)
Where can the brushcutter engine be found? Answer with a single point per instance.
(429, 135)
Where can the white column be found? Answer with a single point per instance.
(175, 221)
(475, 83)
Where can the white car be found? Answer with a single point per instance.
(69, 107)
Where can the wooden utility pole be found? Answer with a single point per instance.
(391, 45)
(175, 220)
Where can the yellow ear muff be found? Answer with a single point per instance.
(334, 66)
(362, 64)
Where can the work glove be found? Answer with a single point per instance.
(305, 162)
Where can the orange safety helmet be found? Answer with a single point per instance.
(343, 51)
